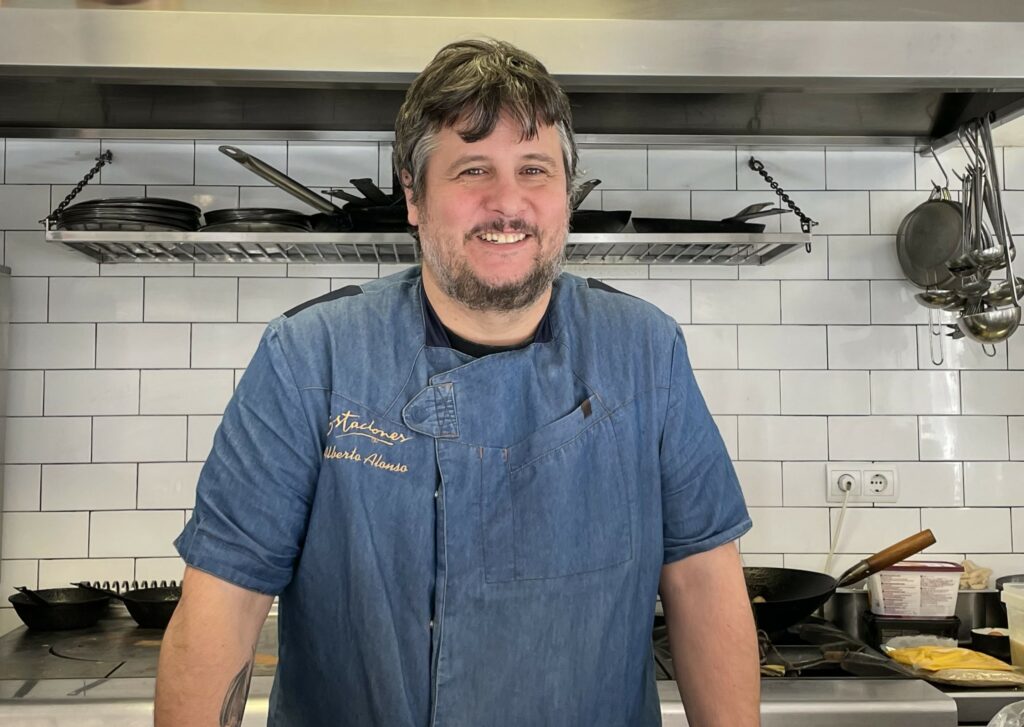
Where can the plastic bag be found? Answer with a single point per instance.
(1012, 715)
(940, 660)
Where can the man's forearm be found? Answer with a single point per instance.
(207, 654)
(713, 640)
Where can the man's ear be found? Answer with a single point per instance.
(413, 210)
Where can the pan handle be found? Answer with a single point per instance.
(885, 558)
(279, 179)
(97, 589)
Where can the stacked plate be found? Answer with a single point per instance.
(255, 219)
(135, 214)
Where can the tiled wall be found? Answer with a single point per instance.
(119, 372)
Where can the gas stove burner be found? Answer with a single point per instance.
(811, 649)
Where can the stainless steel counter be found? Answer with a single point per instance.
(785, 703)
(105, 678)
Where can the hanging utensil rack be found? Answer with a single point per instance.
(356, 247)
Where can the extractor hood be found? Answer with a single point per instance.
(725, 68)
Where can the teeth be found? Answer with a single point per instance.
(503, 238)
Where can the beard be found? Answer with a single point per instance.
(460, 283)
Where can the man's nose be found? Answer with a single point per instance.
(506, 196)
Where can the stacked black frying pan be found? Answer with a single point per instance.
(135, 214)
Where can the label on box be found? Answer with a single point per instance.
(915, 588)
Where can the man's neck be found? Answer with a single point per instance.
(491, 328)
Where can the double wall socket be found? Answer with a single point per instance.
(866, 481)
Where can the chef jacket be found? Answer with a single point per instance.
(459, 541)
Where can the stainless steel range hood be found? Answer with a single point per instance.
(730, 68)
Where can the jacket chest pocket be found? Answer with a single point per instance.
(559, 504)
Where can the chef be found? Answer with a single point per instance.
(468, 481)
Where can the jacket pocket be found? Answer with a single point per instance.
(564, 505)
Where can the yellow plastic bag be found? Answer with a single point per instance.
(939, 658)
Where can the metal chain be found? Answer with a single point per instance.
(101, 161)
(806, 223)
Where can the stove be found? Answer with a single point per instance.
(815, 674)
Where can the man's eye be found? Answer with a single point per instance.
(471, 172)
(533, 171)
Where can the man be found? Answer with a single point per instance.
(466, 481)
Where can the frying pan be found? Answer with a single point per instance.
(64, 608)
(150, 607)
(331, 217)
(792, 595)
(594, 221)
(737, 223)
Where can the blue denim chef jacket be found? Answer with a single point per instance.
(463, 542)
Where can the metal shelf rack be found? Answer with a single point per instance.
(361, 247)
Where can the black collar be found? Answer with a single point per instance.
(437, 335)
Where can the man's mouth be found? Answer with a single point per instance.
(502, 238)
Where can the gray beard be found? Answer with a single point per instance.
(459, 283)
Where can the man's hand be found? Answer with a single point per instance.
(206, 657)
(713, 639)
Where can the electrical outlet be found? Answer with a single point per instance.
(838, 478)
(868, 482)
(880, 484)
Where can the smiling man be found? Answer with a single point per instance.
(467, 482)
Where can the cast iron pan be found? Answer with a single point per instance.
(664, 224)
(66, 608)
(793, 595)
(150, 607)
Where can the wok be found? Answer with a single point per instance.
(64, 608)
(150, 607)
(792, 595)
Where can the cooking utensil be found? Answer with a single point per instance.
(36, 598)
(663, 224)
(791, 595)
(940, 299)
(928, 238)
(1000, 293)
(582, 192)
(281, 180)
(594, 221)
(372, 192)
(60, 608)
(990, 326)
(151, 608)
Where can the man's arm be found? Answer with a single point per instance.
(206, 657)
(713, 640)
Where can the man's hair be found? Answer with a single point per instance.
(472, 84)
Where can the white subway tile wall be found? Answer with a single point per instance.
(120, 372)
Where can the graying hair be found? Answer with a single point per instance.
(472, 84)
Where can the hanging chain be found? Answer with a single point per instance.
(806, 223)
(101, 161)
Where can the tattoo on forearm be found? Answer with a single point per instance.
(234, 701)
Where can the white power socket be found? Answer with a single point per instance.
(866, 481)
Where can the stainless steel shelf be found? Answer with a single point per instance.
(357, 247)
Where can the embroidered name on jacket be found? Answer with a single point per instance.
(350, 424)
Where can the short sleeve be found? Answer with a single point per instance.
(702, 504)
(256, 487)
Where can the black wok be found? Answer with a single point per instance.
(793, 595)
(65, 608)
(150, 607)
